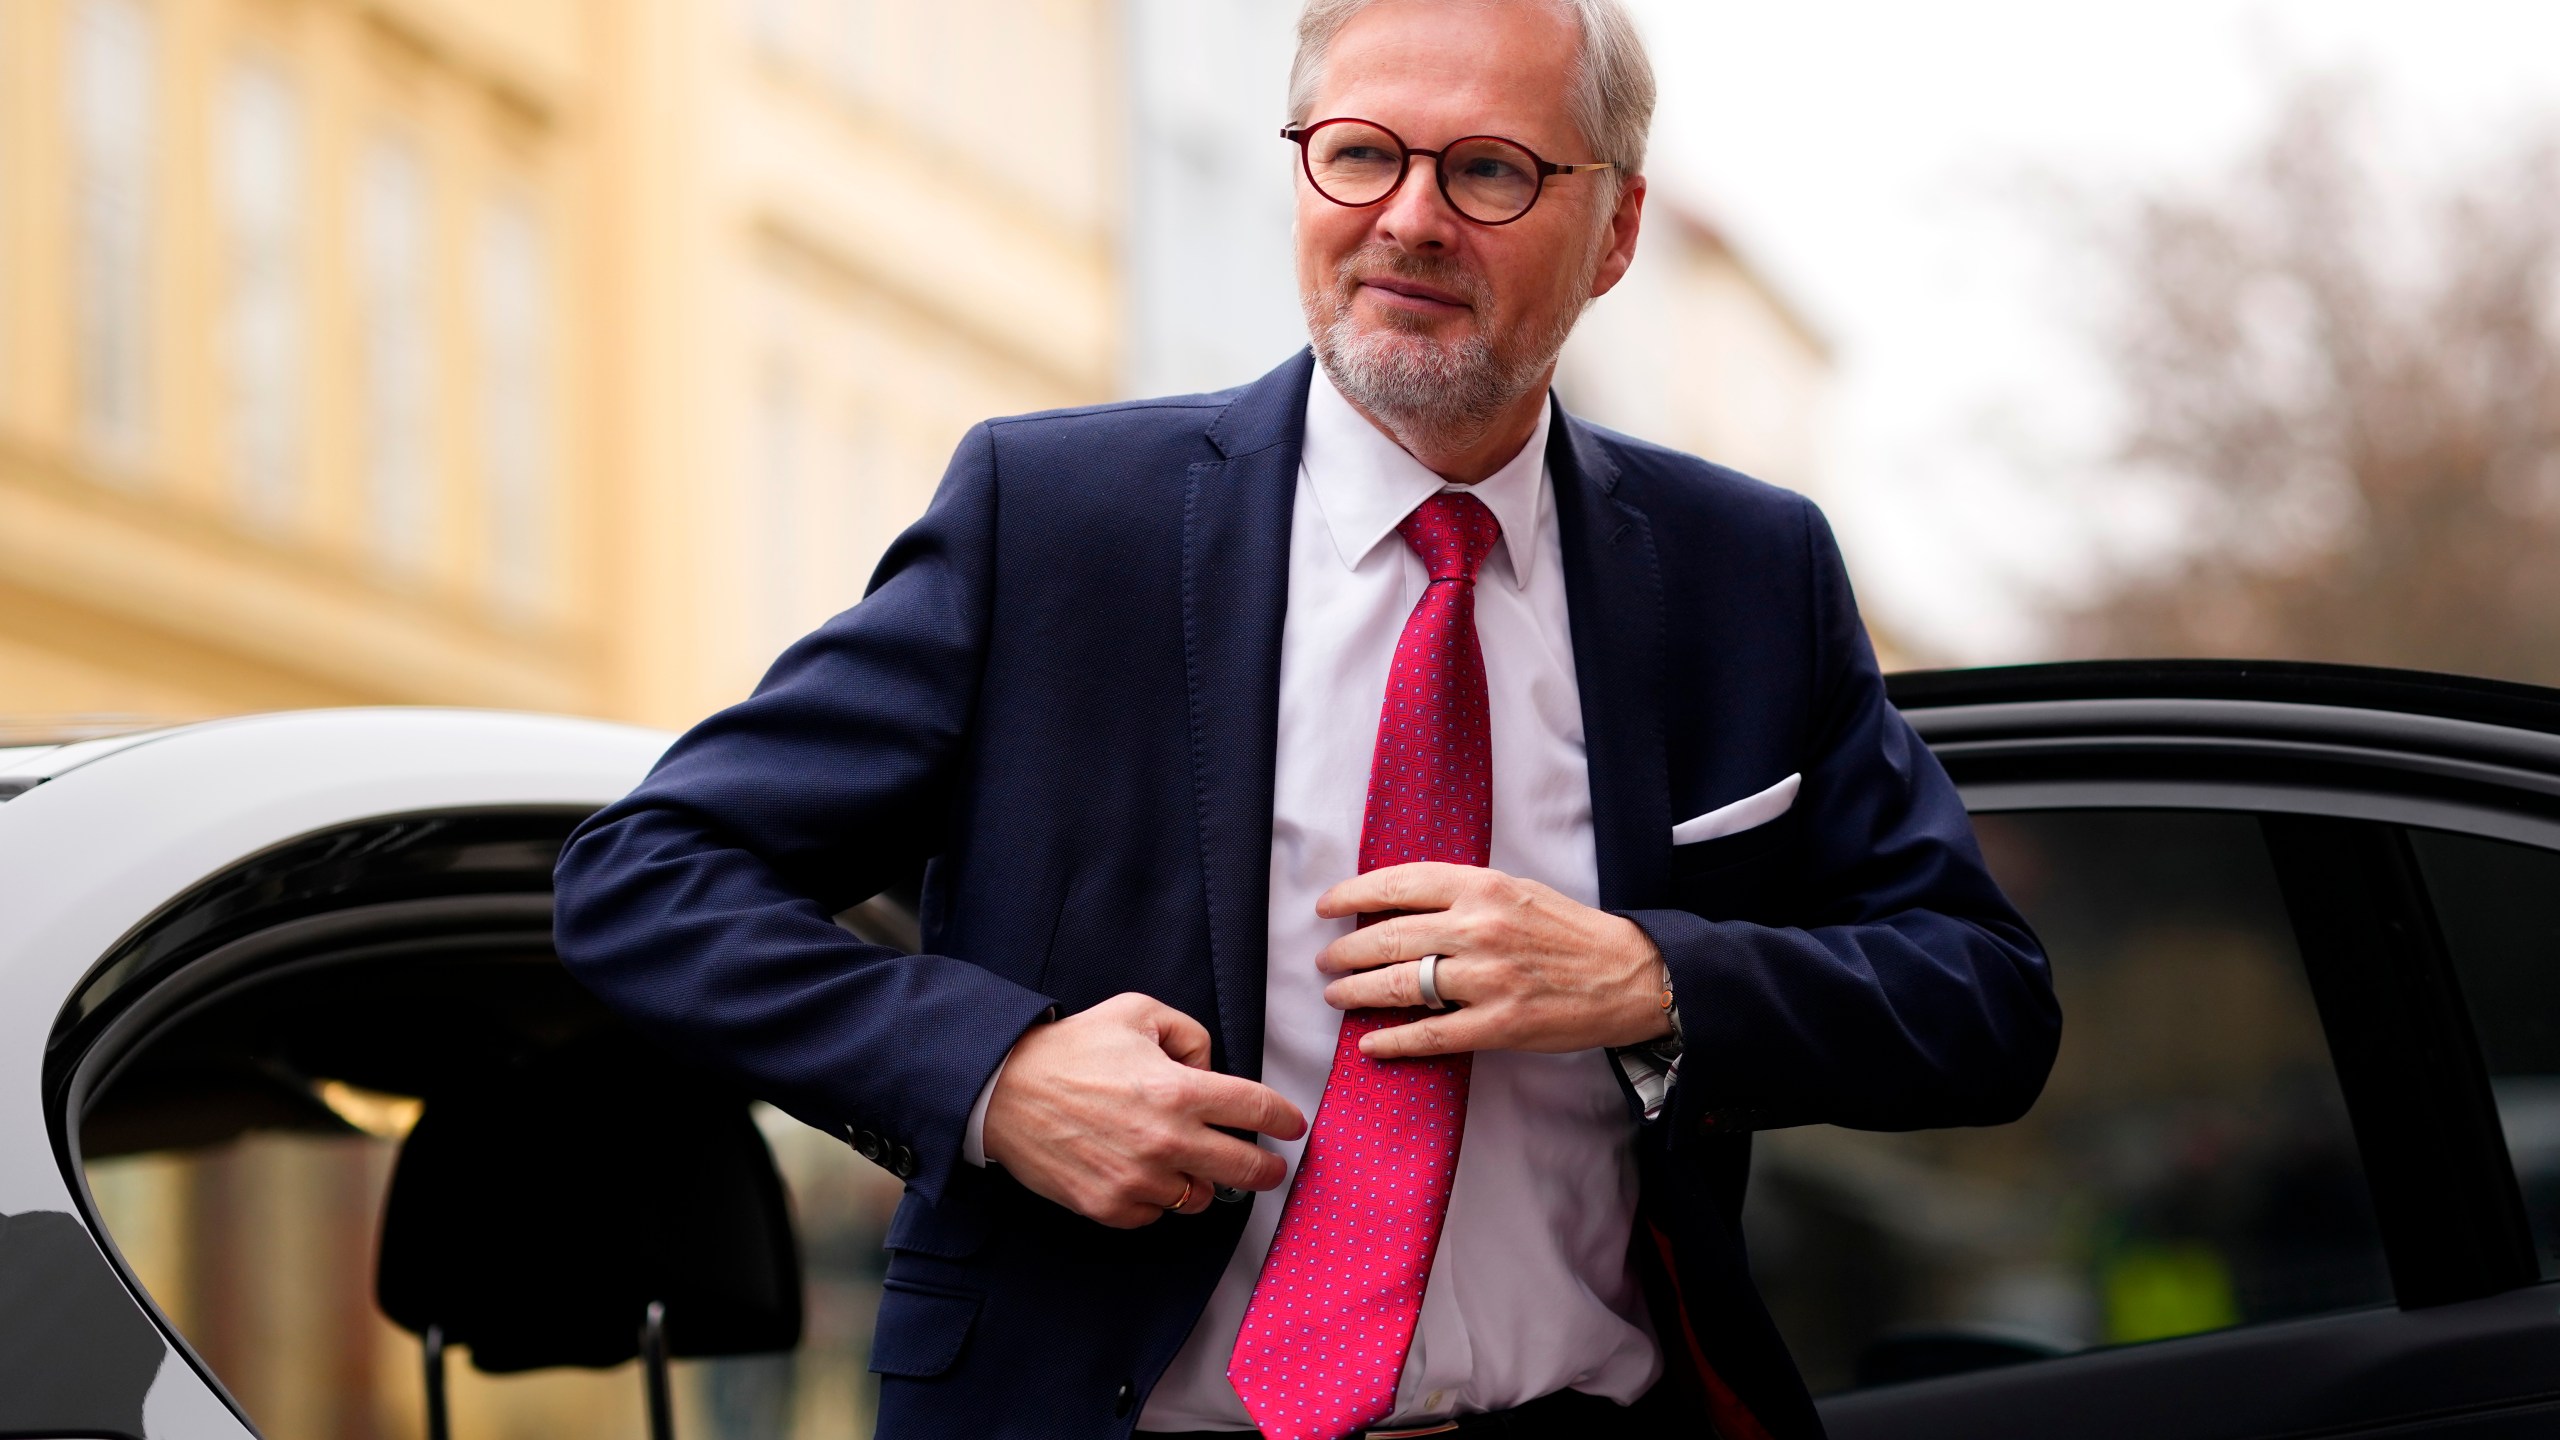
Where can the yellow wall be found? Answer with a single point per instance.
(139, 582)
(788, 249)
(861, 228)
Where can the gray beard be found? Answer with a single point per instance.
(1431, 397)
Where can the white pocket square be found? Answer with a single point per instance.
(1739, 816)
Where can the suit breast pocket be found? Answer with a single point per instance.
(1745, 876)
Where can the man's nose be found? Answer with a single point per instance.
(1417, 216)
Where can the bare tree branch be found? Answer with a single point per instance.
(2368, 413)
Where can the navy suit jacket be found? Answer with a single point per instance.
(1062, 690)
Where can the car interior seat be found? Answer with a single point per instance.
(584, 1206)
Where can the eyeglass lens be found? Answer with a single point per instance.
(1489, 181)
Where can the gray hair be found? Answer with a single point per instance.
(1612, 98)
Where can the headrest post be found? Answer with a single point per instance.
(438, 1428)
(653, 1360)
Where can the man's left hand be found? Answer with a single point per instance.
(1529, 968)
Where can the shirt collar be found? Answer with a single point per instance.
(1365, 483)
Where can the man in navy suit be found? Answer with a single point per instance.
(1175, 695)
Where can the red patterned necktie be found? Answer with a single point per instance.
(1325, 1335)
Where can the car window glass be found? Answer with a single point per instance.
(2189, 1167)
(260, 1249)
(2498, 907)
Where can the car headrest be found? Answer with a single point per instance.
(536, 1216)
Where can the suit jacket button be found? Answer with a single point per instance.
(866, 1143)
(1126, 1400)
(903, 1164)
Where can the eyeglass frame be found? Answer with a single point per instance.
(1299, 134)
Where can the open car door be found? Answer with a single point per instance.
(272, 924)
(2298, 1169)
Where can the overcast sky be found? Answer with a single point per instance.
(1873, 155)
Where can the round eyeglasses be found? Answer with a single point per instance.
(1488, 179)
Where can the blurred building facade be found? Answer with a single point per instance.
(1697, 349)
(574, 356)
(561, 354)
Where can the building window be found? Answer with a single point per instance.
(514, 404)
(111, 137)
(396, 343)
(261, 185)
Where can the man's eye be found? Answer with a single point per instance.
(1361, 155)
(1491, 169)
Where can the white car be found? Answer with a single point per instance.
(150, 881)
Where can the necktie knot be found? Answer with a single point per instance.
(1452, 532)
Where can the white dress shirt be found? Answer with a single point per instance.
(1532, 1291)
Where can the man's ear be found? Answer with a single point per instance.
(1624, 222)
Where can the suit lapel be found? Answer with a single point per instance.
(1235, 598)
(1613, 593)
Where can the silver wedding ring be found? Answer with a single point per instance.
(1430, 983)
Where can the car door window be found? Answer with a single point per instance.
(2190, 1166)
(245, 1185)
(2497, 907)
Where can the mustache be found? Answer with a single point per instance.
(1440, 272)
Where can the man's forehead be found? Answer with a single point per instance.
(1495, 66)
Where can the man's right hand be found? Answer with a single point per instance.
(1110, 1112)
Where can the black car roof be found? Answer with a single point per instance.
(2414, 692)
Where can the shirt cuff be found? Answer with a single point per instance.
(1652, 1070)
(973, 1148)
